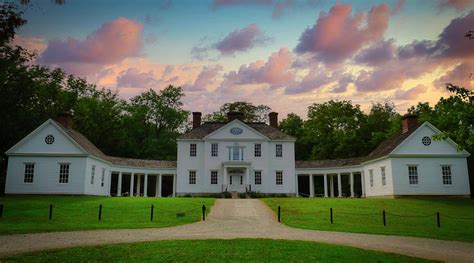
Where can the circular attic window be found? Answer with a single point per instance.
(236, 131)
(49, 139)
(426, 141)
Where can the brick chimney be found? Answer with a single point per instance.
(408, 122)
(196, 119)
(232, 115)
(65, 119)
(273, 116)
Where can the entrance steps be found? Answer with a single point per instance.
(235, 194)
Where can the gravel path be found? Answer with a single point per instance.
(240, 218)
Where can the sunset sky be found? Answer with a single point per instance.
(285, 54)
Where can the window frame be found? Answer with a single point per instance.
(64, 173)
(257, 150)
(192, 152)
(32, 173)
(192, 177)
(102, 179)
(371, 178)
(259, 181)
(279, 178)
(279, 152)
(413, 175)
(214, 152)
(92, 174)
(214, 177)
(383, 175)
(446, 176)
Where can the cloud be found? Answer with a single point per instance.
(458, 5)
(337, 35)
(241, 40)
(111, 43)
(33, 44)
(205, 78)
(377, 54)
(460, 75)
(133, 78)
(276, 71)
(410, 94)
(280, 6)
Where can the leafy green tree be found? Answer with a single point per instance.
(294, 125)
(252, 113)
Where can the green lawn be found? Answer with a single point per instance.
(241, 250)
(405, 217)
(25, 214)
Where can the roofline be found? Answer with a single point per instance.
(233, 121)
(330, 167)
(375, 160)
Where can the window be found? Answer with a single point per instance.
(279, 150)
(213, 177)
(235, 153)
(446, 171)
(258, 177)
(92, 174)
(29, 173)
(230, 179)
(258, 150)
(241, 179)
(102, 180)
(279, 177)
(382, 172)
(412, 174)
(214, 149)
(192, 150)
(426, 141)
(192, 177)
(371, 177)
(63, 173)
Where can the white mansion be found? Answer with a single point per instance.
(236, 156)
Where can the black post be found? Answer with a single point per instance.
(100, 212)
(151, 213)
(50, 212)
(438, 219)
(279, 211)
(203, 213)
(384, 221)
(330, 210)
(1, 210)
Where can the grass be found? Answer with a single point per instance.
(26, 214)
(404, 217)
(241, 250)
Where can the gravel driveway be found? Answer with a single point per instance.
(241, 218)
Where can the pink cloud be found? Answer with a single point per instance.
(377, 54)
(276, 71)
(31, 44)
(461, 75)
(133, 78)
(337, 35)
(410, 94)
(111, 43)
(205, 78)
(241, 40)
(458, 5)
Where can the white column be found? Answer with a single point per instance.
(339, 185)
(119, 184)
(352, 184)
(157, 185)
(325, 185)
(331, 182)
(362, 179)
(174, 184)
(225, 178)
(145, 188)
(247, 177)
(160, 183)
(139, 184)
(311, 185)
(132, 182)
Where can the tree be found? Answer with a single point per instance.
(382, 122)
(251, 112)
(294, 125)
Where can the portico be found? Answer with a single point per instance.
(236, 177)
(158, 183)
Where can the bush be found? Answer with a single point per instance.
(242, 195)
(226, 195)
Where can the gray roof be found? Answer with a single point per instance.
(91, 149)
(209, 127)
(384, 149)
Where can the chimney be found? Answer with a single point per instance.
(273, 116)
(232, 115)
(408, 122)
(196, 119)
(65, 119)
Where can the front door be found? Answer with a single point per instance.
(236, 183)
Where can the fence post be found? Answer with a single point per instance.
(330, 217)
(151, 213)
(100, 212)
(438, 219)
(203, 213)
(50, 211)
(384, 221)
(279, 216)
(1, 210)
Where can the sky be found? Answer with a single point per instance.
(286, 54)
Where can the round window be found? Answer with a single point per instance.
(236, 131)
(49, 139)
(426, 140)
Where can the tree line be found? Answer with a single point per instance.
(148, 125)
